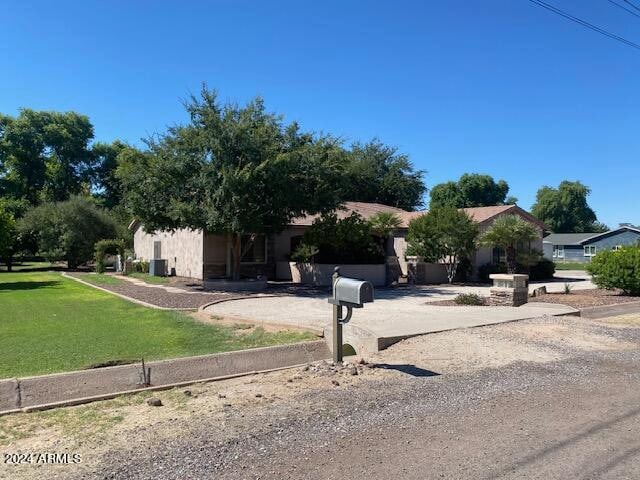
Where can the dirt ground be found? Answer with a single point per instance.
(231, 407)
(586, 298)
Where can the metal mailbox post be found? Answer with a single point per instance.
(350, 293)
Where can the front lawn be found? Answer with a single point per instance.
(571, 266)
(49, 324)
(21, 266)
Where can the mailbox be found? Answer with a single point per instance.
(350, 292)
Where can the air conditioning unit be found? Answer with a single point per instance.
(158, 267)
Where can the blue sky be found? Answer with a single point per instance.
(491, 86)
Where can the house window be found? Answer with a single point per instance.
(499, 255)
(558, 251)
(254, 251)
(294, 243)
(157, 249)
(589, 250)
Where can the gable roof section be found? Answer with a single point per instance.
(582, 238)
(364, 209)
(596, 236)
(567, 238)
(368, 210)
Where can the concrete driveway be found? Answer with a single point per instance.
(397, 313)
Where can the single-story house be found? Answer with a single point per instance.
(581, 247)
(201, 255)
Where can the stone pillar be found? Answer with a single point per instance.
(509, 290)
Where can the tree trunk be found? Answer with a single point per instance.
(237, 253)
(511, 260)
(452, 267)
(9, 263)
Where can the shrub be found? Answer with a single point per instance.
(104, 247)
(140, 266)
(617, 269)
(343, 241)
(489, 268)
(304, 253)
(469, 299)
(543, 270)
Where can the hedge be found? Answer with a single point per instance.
(617, 269)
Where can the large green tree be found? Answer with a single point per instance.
(45, 156)
(106, 186)
(565, 209)
(446, 235)
(232, 170)
(471, 190)
(68, 230)
(378, 173)
(7, 235)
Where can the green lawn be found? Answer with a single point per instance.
(571, 266)
(49, 323)
(17, 267)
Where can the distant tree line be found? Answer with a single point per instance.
(231, 169)
(235, 170)
(564, 209)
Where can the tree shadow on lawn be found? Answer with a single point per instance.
(13, 286)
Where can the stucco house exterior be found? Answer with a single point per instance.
(582, 247)
(201, 255)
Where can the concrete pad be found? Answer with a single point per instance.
(395, 314)
(605, 311)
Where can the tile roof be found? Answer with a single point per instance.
(367, 210)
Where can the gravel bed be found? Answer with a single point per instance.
(194, 296)
(159, 296)
(300, 440)
(586, 298)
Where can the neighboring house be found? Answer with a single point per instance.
(197, 254)
(581, 247)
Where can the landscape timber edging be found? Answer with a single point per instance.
(84, 386)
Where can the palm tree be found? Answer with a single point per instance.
(382, 225)
(506, 232)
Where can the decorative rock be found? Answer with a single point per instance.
(154, 402)
(538, 292)
(353, 371)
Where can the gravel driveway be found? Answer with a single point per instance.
(540, 399)
(572, 412)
